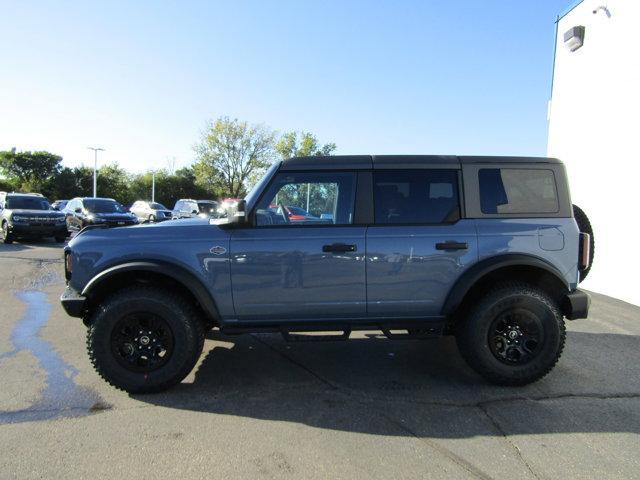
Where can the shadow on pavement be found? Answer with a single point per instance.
(412, 388)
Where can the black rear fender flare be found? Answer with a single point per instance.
(487, 266)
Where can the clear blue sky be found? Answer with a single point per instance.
(142, 78)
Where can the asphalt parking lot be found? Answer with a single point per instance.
(256, 407)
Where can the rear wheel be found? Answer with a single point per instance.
(152, 218)
(6, 237)
(585, 227)
(144, 339)
(513, 336)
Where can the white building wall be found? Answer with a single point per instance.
(594, 127)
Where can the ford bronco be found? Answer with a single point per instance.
(484, 248)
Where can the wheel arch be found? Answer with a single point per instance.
(167, 274)
(482, 275)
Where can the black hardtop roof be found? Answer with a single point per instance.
(365, 162)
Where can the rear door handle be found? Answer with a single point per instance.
(339, 248)
(452, 246)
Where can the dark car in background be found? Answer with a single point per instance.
(81, 212)
(29, 215)
(150, 211)
(189, 208)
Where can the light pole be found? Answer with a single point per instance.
(153, 186)
(95, 168)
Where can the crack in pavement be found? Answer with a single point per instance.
(507, 439)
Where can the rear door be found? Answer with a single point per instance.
(305, 266)
(418, 245)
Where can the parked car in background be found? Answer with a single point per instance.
(81, 212)
(189, 208)
(296, 214)
(29, 215)
(59, 205)
(150, 211)
(226, 205)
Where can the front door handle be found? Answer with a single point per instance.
(452, 246)
(339, 248)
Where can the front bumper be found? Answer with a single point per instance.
(72, 302)
(44, 229)
(576, 304)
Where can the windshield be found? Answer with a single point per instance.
(252, 196)
(103, 206)
(207, 207)
(28, 203)
(157, 206)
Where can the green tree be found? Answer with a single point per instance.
(230, 154)
(311, 197)
(302, 144)
(29, 171)
(169, 187)
(113, 182)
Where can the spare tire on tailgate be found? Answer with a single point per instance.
(585, 227)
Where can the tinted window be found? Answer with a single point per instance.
(207, 207)
(416, 197)
(315, 198)
(511, 190)
(27, 203)
(103, 206)
(157, 206)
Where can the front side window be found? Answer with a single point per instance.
(517, 191)
(309, 198)
(416, 197)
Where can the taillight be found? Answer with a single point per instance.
(68, 265)
(584, 251)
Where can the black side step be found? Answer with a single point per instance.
(412, 334)
(302, 337)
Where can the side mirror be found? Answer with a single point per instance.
(237, 215)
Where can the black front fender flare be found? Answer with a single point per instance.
(175, 272)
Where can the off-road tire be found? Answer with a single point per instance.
(473, 334)
(585, 227)
(5, 235)
(186, 327)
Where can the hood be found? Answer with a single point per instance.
(36, 213)
(113, 216)
(173, 231)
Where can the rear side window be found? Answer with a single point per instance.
(519, 191)
(416, 197)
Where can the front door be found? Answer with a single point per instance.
(302, 257)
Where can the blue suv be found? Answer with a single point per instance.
(484, 248)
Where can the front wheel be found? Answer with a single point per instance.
(513, 336)
(6, 237)
(152, 218)
(144, 340)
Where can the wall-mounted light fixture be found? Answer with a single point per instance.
(574, 38)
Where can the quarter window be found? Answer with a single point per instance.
(517, 191)
(416, 197)
(313, 198)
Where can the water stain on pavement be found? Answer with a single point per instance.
(61, 397)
